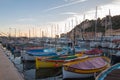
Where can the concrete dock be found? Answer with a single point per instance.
(7, 69)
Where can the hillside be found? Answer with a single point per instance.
(101, 24)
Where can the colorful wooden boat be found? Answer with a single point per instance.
(116, 44)
(86, 67)
(93, 52)
(30, 55)
(56, 61)
(112, 73)
(115, 58)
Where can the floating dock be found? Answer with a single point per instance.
(7, 69)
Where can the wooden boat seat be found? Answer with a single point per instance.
(114, 75)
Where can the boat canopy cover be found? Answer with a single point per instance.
(41, 52)
(94, 63)
(63, 57)
(35, 50)
(93, 51)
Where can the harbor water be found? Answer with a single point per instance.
(30, 73)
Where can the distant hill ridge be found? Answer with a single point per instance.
(101, 24)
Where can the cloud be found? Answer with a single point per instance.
(25, 19)
(65, 5)
(71, 0)
(68, 13)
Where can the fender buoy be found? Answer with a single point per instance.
(56, 65)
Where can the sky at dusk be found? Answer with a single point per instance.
(25, 16)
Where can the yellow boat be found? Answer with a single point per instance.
(86, 67)
(56, 61)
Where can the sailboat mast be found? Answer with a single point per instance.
(83, 29)
(110, 23)
(40, 32)
(65, 31)
(73, 33)
(57, 31)
(95, 22)
(29, 33)
(19, 33)
(9, 32)
(33, 32)
(105, 26)
(73, 37)
(76, 20)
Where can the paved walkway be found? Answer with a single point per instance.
(7, 68)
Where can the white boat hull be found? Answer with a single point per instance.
(26, 57)
(67, 74)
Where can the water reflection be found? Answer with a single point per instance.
(28, 65)
(48, 72)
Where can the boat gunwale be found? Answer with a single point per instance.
(107, 71)
(84, 71)
(69, 60)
